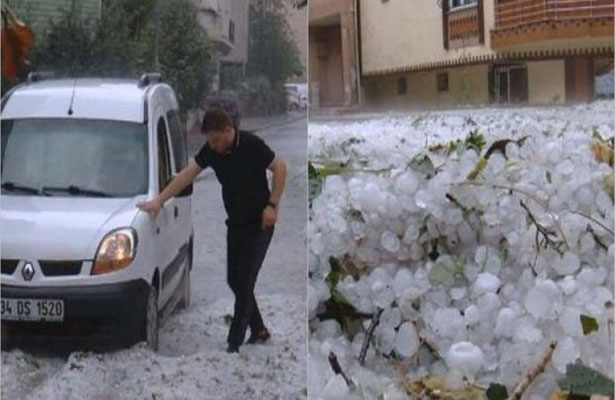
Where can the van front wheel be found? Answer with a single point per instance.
(151, 323)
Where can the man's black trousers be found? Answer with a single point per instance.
(246, 250)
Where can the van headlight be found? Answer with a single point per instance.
(116, 251)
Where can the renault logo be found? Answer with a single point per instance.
(27, 271)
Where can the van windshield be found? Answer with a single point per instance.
(74, 157)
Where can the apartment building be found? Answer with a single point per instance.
(226, 23)
(439, 53)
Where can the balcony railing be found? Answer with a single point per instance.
(516, 13)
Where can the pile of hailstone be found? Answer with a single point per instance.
(478, 264)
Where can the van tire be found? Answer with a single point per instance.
(185, 300)
(151, 323)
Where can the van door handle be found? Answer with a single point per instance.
(175, 211)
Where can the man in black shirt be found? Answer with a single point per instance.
(240, 160)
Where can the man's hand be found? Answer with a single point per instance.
(152, 206)
(269, 217)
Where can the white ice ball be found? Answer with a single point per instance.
(465, 357)
(407, 340)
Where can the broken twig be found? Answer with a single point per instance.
(545, 232)
(370, 333)
(534, 372)
(335, 366)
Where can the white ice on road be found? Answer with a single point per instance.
(192, 362)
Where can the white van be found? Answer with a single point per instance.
(79, 259)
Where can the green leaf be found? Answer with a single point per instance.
(480, 165)
(609, 185)
(336, 274)
(333, 278)
(584, 381)
(497, 392)
(441, 275)
(312, 172)
(475, 140)
(589, 324)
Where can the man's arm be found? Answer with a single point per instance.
(270, 214)
(278, 167)
(183, 179)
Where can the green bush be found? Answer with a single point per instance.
(263, 99)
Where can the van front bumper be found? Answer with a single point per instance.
(94, 315)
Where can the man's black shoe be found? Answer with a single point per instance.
(232, 348)
(259, 337)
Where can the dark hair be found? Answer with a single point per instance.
(215, 119)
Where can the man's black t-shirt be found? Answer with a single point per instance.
(242, 173)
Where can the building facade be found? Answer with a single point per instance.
(444, 53)
(297, 22)
(333, 67)
(226, 23)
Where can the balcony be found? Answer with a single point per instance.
(523, 22)
(463, 27)
(463, 23)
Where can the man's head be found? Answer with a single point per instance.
(219, 130)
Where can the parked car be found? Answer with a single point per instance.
(79, 259)
(303, 101)
(292, 100)
(229, 101)
(296, 96)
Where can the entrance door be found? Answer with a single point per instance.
(510, 84)
(330, 77)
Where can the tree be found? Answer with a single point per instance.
(272, 52)
(273, 57)
(180, 50)
(132, 37)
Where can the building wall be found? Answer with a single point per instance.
(216, 17)
(397, 34)
(313, 85)
(466, 86)
(238, 14)
(546, 82)
(298, 24)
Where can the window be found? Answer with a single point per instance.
(442, 79)
(402, 86)
(461, 3)
(231, 31)
(164, 166)
(178, 140)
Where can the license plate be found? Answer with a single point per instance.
(32, 309)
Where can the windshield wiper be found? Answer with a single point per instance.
(76, 190)
(11, 186)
